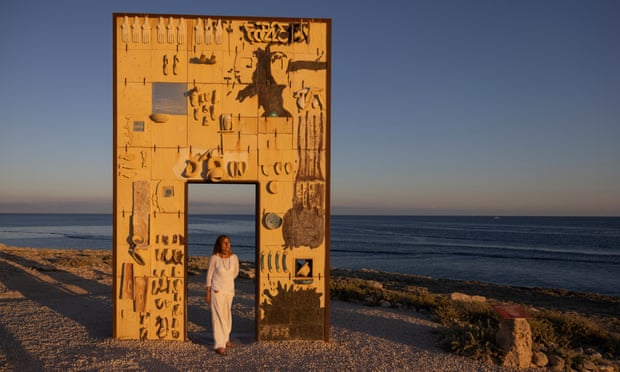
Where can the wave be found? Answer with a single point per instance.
(593, 259)
(88, 237)
(414, 242)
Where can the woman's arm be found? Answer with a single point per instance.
(236, 265)
(210, 278)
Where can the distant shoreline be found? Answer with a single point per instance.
(437, 285)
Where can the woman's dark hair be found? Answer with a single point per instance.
(217, 247)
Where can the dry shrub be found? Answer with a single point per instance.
(470, 329)
(557, 332)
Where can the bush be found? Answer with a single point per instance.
(476, 341)
(412, 299)
(558, 331)
(356, 290)
(471, 329)
(449, 312)
(543, 332)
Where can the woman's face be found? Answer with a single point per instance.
(226, 248)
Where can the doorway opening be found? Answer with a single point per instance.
(212, 210)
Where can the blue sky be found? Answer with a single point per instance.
(438, 107)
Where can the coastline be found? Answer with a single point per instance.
(547, 252)
(55, 308)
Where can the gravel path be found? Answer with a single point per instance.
(61, 320)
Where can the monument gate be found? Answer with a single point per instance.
(208, 99)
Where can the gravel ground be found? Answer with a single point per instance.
(58, 318)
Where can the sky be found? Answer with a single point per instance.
(438, 107)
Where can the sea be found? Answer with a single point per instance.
(574, 253)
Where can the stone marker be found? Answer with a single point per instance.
(514, 335)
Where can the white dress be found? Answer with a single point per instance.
(221, 278)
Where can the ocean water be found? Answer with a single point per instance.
(575, 253)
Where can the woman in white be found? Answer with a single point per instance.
(223, 269)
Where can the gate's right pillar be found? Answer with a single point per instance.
(293, 202)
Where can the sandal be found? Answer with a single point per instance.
(230, 345)
(221, 350)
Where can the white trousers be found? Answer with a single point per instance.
(221, 318)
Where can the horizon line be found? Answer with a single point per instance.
(106, 207)
(376, 214)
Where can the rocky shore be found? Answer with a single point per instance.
(56, 314)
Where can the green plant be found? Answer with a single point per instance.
(471, 329)
(372, 293)
(572, 330)
(446, 313)
(356, 290)
(412, 299)
(456, 312)
(476, 341)
(543, 332)
(569, 334)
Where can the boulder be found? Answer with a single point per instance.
(374, 284)
(515, 338)
(539, 359)
(588, 365)
(462, 297)
(556, 363)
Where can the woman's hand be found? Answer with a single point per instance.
(208, 295)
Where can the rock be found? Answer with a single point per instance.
(374, 284)
(458, 296)
(588, 365)
(248, 274)
(556, 363)
(515, 338)
(540, 359)
(416, 289)
(385, 304)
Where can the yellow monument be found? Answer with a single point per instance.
(205, 99)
